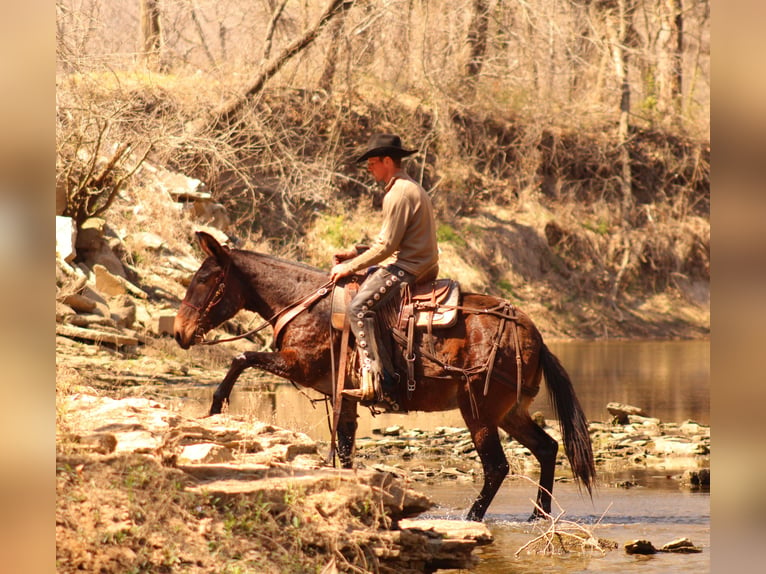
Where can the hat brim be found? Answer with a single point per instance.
(385, 151)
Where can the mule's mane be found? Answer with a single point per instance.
(274, 258)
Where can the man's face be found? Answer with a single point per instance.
(378, 168)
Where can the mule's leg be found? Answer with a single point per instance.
(283, 364)
(520, 426)
(495, 466)
(347, 425)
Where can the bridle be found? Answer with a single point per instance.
(213, 298)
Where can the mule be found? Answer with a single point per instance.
(451, 364)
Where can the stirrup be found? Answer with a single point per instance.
(367, 391)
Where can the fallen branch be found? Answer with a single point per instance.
(560, 530)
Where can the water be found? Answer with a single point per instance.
(669, 379)
(657, 511)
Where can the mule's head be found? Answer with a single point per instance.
(214, 294)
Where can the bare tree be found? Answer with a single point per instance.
(232, 106)
(670, 44)
(151, 34)
(477, 39)
(331, 60)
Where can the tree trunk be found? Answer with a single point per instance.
(669, 59)
(331, 61)
(619, 35)
(477, 43)
(151, 37)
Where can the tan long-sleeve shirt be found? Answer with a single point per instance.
(408, 231)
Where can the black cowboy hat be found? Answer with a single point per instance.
(382, 145)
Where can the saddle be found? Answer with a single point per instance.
(432, 304)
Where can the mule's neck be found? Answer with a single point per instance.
(273, 283)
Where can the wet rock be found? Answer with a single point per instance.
(681, 546)
(696, 479)
(621, 412)
(640, 547)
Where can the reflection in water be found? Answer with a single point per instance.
(670, 380)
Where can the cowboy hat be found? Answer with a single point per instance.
(381, 145)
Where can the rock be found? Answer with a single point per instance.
(88, 320)
(640, 547)
(539, 419)
(107, 283)
(394, 430)
(621, 411)
(146, 241)
(454, 529)
(95, 335)
(696, 479)
(163, 324)
(80, 303)
(205, 453)
(210, 213)
(681, 546)
(113, 285)
(94, 247)
(123, 311)
(101, 442)
(675, 446)
(63, 312)
(66, 238)
(91, 233)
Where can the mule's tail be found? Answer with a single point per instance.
(574, 426)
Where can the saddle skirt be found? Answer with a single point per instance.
(434, 303)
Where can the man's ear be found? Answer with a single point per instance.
(211, 247)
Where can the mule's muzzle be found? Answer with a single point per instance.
(184, 331)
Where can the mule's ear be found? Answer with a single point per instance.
(211, 246)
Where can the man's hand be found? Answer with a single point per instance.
(338, 272)
(343, 255)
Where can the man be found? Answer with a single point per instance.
(408, 234)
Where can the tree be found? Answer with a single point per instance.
(670, 44)
(151, 34)
(477, 39)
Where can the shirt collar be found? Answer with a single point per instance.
(398, 175)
